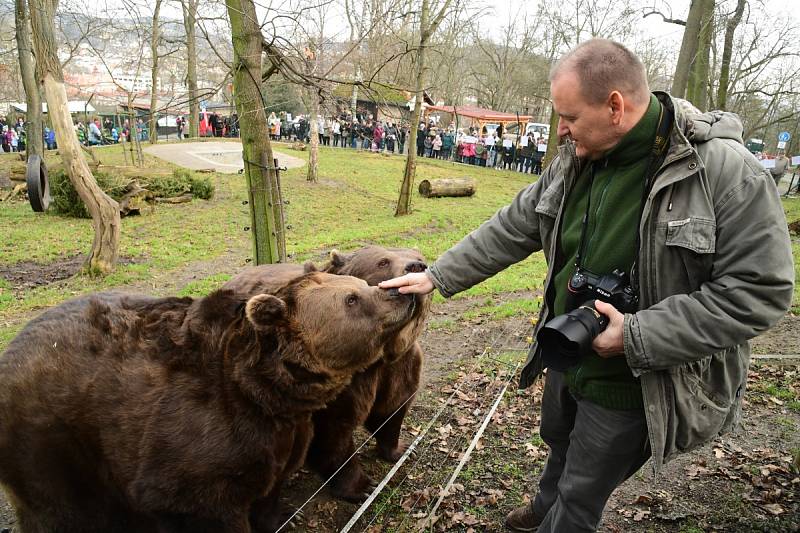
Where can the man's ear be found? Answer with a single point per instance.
(616, 104)
(265, 311)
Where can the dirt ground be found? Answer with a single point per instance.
(742, 482)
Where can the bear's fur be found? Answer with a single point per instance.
(378, 397)
(124, 413)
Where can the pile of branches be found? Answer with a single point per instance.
(132, 193)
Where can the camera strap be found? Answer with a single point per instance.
(657, 154)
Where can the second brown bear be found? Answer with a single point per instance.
(379, 397)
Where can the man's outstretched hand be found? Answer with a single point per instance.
(415, 282)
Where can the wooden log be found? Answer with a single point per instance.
(18, 189)
(175, 199)
(132, 201)
(447, 187)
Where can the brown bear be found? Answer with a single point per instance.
(378, 397)
(124, 413)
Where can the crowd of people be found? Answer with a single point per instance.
(485, 147)
(13, 135)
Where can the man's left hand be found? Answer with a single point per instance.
(610, 342)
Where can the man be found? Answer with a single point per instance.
(710, 263)
(781, 165)
(95, 135)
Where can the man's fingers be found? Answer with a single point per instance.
(410, 283)
(395, 282)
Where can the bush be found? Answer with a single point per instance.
(67, 202)
(181, 182)
(200, 187)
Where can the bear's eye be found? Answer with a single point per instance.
(351, 300)
(383, 263)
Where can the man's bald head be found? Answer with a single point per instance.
(603, 66)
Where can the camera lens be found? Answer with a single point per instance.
(568, 337)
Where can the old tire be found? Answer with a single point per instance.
(38, 185)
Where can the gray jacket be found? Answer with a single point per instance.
(715, 270)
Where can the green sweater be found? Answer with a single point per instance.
(610, 243)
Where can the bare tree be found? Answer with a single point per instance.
(428, 24)
(104, 210)
(155, 38)
(724, 75)
(34, 144)
(693, 57)
(190, 24)
(265, 209)
(313, 97)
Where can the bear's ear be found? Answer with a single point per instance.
(338, 259)
(309, 266)
(265, 311)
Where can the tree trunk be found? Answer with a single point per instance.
(404, 203)
(697, 86)
(727, 52)
(34, 145)
(189, 23)
(552, 140)
(154, 39)
(313, 136)
(269, 244)
(426, 30)
(691, 36)
(104, 210)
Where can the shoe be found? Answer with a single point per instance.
(523, 519)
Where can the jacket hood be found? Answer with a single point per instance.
(700, 127)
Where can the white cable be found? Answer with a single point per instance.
(345, 462)
(471, 447)
(385, 480)
(485, 354)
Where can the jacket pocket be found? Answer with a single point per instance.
(694, 233)
(707, 395)
(690, 243)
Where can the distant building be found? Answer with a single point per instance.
(381, 101)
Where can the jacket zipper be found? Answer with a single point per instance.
(597, 215)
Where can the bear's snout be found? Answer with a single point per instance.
(415, 266)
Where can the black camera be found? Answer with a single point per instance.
(568, 337)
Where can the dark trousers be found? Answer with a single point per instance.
(592, 451)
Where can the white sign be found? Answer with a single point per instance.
(768, 163)
(541, 148)
(796, 160)
(469, 139)
(781, 145)
(507, 143)
(523, 141)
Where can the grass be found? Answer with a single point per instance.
(506, 309)
(205, 285)
(351, 205)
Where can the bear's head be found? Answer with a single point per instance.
(375, 264)
(329, 325)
